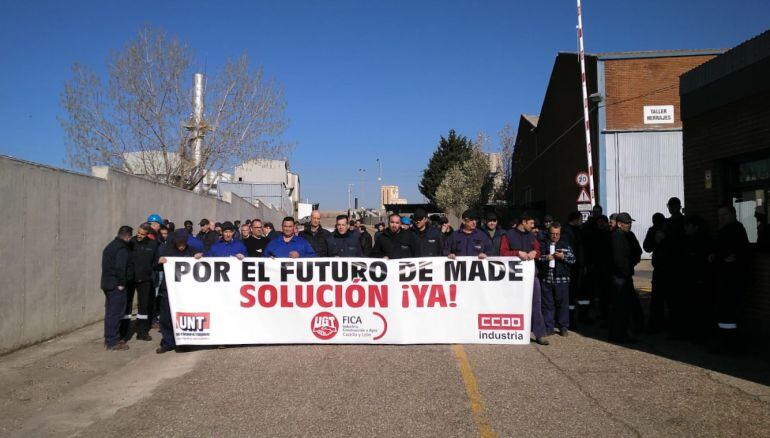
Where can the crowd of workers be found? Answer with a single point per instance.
(584, 269)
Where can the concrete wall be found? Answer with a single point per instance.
(56, 224)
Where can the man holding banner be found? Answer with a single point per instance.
(288, 245)
(521, 242)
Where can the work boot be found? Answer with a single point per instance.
(163, 349)
(542, 341)
(143, 336)
(120, 346)
(563, 332)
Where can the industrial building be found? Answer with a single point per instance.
(636, 132)
(726, 129)
(268, 182)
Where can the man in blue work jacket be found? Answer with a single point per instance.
(228, 246)
(287, 244)
(468, 240)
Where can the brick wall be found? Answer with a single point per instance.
(731, 130)
(631, 84)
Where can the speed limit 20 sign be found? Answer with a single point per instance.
(582, 179)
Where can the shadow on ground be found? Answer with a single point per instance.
(751, 363)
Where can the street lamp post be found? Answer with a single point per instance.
(379, 181)
(361, 173)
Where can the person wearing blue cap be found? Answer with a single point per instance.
(155, 222)
(406, 223)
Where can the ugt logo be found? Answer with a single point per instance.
(324, 326)
(193, 322)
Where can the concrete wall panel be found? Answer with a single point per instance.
(56, 225)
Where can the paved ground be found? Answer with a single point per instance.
(578, 386)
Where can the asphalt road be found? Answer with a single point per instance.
(577, 386)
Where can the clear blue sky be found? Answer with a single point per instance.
(363, 79)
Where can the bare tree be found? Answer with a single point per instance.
(136, 120)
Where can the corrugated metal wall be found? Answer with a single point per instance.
(644, 169)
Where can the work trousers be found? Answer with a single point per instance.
(555, 299)
(624, 303)
(143, 290)
(114, 305)
(538, 325)
(166, 323)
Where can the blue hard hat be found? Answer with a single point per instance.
(155, 218)
(405, 220)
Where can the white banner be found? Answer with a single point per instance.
(221, 300)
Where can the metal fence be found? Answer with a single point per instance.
(272, 194)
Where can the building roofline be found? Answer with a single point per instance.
(744, 54)
(659, 54)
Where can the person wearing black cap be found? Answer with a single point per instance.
(228, 246)
(394, 242)
(495, 233)
(207, 236)
(429, 240)
(626, 253)
(468, 240)
(175, 247)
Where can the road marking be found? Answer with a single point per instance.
(472, 388)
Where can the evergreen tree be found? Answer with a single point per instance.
(451, 150)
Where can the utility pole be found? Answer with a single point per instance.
(379, 181)
(199, 129)
(581, 55)
(350, 197)
(361, 174)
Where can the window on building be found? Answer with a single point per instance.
(750, 191)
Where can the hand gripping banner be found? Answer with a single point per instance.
(218, 301)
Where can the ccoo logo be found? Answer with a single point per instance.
(500, 321)
(324, 326)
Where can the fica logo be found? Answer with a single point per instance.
(324, 326)
(193, 321)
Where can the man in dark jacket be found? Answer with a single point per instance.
(207, 236)
(626, 254)
(731, 262)
(115, 266)
(579, 303)
(144, 258)
(175, 247)
(521, 242)
(468, 240)
(365, 239)
(429, 239)
(395, 243)
(256, 241)
(495, 233)
(555, 262)
(343, 243)
(651, 244)
(316, 235)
